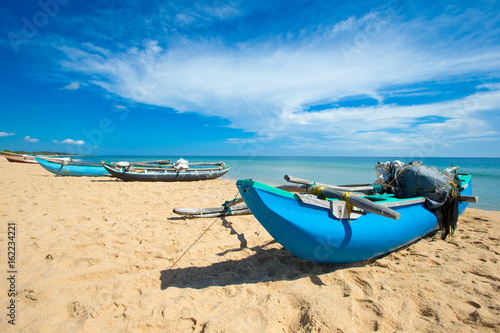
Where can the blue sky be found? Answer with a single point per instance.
(345, 78)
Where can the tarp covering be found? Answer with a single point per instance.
(181, 165)
(414, 179)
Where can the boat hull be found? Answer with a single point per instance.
(17, 158)
(167, 175)
(73, 169)
(21, 160)
(313, 233)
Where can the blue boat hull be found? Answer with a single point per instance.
(313, 233)
(74, 169)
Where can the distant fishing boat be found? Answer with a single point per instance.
(19, 158)
(179, 171)
(65, 167)
(336, 230)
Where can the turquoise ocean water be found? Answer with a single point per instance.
(339, 170)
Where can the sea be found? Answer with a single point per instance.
(337, 170)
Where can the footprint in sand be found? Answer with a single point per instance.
(427, 311)
(77, 310)
(364, 285)
(31, 295)
(481, 245)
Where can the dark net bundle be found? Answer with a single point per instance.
(438, 187)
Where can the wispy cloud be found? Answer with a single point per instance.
(4, 134)
(70, 142)
(31, 140)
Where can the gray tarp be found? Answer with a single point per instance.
(415, 180)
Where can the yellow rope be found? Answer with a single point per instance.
(389, 184)
(346, 196)
(317, 190)
(454, 190)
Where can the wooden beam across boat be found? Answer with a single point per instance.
(351, 188)
(343, 193)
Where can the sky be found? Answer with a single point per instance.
(250, 78)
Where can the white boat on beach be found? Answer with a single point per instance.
(25, 158)
(19, 158)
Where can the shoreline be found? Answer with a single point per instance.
(338, 171)
(93, 253)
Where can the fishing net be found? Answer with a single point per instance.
(414, 179)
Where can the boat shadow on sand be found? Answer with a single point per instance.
(265, 265)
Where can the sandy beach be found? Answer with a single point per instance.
(96, 254)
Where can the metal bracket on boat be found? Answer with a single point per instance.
(337, 208)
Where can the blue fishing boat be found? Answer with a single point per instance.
(65, 167)
(329, 231)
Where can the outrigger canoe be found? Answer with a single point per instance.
(66, 167)
(203, 171)
(324, 231)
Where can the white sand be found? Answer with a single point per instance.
(95, 254)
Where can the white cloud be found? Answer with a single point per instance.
(31, 140)
(72, 86)
(4, 134)
(265, 87)
(70, 142)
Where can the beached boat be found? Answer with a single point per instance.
(65, 167)
(327, 231)
(19, 158)
(172, 173)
